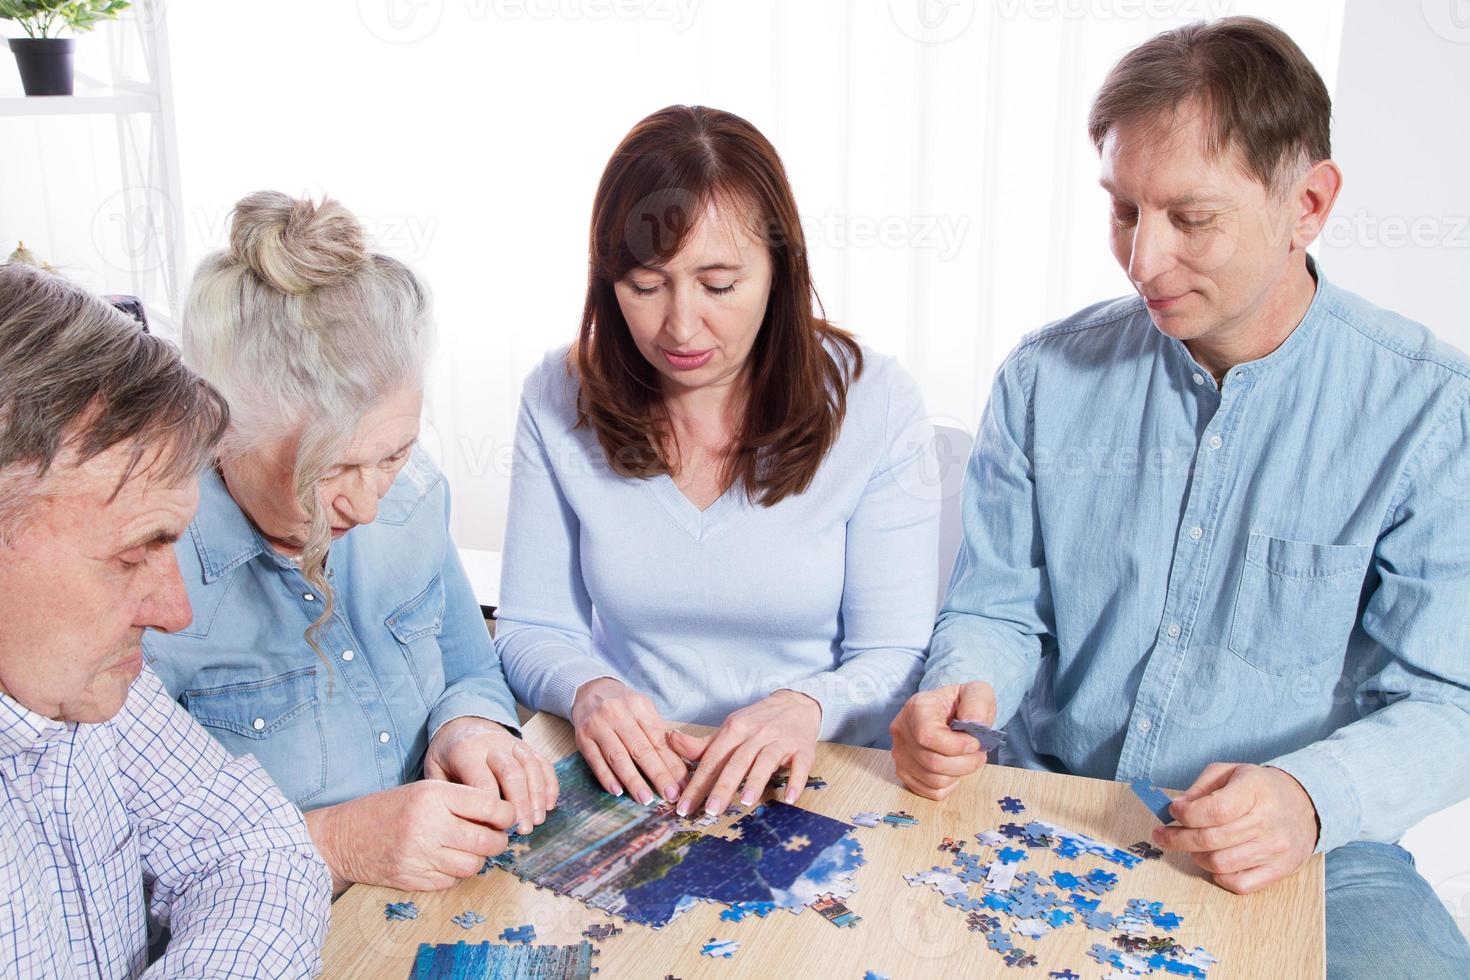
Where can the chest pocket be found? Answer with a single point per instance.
(416, 626)
(1297, 602)
(278, 720)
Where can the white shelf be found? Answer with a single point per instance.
(100, 102)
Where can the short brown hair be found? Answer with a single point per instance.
(659, 180)
(1261, 95)
(77, 374)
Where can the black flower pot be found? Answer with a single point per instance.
(45, 64)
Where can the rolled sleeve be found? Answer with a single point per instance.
(999, 602)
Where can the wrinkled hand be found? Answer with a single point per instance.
(420, 836)
(624, 740)
(480, 753)
(1248, 826)
(930, 757)
(780, 729)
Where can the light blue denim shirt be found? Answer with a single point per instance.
(407, 644)
(1276, 570)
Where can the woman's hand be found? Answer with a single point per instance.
(480, 753)
(625, 741)
(422, 836)
(778, 730)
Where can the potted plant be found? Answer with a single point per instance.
(44, 59)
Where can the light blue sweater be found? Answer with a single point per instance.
(830, 593)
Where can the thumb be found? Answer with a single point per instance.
(976, 703)
(688, 746)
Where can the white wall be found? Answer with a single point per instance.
(1401, 235)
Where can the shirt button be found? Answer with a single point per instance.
(348, 654)
(383, 737)
(258, 724)
(1196, 533)
(1199, 379)
(1173, 631)
(308, 597)
(1216, 442)
(1145, 726)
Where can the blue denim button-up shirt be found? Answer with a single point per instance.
(1275, 570)
(407, 644)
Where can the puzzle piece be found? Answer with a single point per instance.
(400, 910)
(1011, 805)
(999, 941)
(1154, 798)
(1102, 921)
(901, 818)
(870, 975)
(1010, 855)
(720, 947)
(1146, 850)
(989, 738)
(601, 931)
(1019, 957)
(1064, 975)
(740, 910)
(520, 934)
(867, 819)
(467, 919)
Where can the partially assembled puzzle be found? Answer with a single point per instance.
(647, 864)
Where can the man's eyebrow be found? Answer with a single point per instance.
(1181, 201)
(153, 537)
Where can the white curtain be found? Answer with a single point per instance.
(937, 149)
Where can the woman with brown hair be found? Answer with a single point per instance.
(723, 509)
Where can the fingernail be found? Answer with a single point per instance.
(524, 827)
(714, 807)
(682, 809)
(791, 796)
(671, 792)
(540, 815)
(615, 789)
(747, 799)
(645, 797)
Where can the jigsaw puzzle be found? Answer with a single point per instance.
(484, 961)
(647, 865)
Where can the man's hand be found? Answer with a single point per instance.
(480, 753)
(931, 758)
(1248, 826)
(420, 836)
(625, 741)
(780, 729)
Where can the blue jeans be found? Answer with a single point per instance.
(1384, 921)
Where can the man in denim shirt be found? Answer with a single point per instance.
(1216, 529)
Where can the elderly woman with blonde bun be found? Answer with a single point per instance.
(334, 635)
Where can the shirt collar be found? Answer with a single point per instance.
(1323, 300)
(22, 730)
(222, 533)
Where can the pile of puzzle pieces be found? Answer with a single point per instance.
(1014, 902)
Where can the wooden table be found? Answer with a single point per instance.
(905, 932)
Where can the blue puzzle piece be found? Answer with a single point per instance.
(1167, 922)
(1102, 921)
(1082, 903)
(467, 919)
(1154, 798)
(1010, 804)
(400, 911)
(1069, 849)
(1012, 830)
(999, 941)
(1101, 877)
(1010, 855)
(1065, 879)
(1102, 954)
(1056, 918)
(997, 901)
(1064, 975)
(520, 934)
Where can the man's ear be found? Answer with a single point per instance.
(1312, 199)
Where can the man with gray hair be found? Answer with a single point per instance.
(114, 804)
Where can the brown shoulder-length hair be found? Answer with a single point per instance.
(660, 179)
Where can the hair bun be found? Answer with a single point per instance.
(294, 244)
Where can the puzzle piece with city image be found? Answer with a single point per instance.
(646, 865)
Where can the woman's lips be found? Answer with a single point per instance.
(687, 360)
